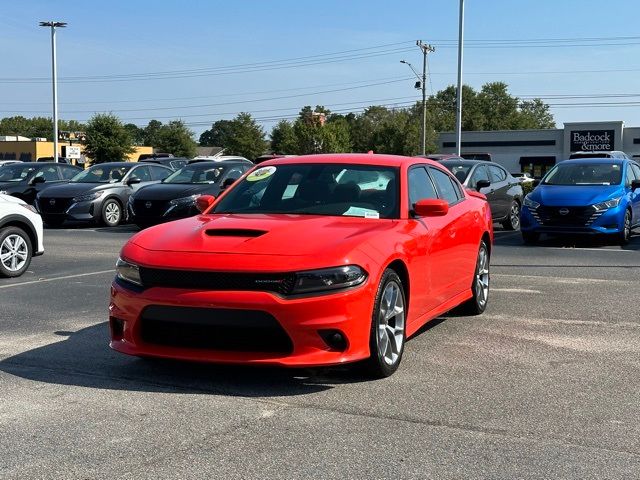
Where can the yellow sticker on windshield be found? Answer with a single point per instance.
(261, 174)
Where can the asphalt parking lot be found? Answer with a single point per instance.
(545, 384)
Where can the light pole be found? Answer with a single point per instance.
(54, 78)
(459, 99)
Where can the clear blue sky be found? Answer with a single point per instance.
(120, 38)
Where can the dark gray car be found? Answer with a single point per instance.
(503, 191)
(98, 194)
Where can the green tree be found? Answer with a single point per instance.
(219, 134)
(535, 114)
(240, 136)
(106, 139)
(177, 139)
(152, 133)
(137, 133)
(283, 138)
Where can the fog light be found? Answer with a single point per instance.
(117, 328)
(334, 339)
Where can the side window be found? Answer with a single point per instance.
(445, 185)
(159, 173)
(420, 185)
(68, 173)
(142, 173)
(234, 173)
(636, 170)
(629, 178)
(497, 174)
(49, 173)
(480, 173)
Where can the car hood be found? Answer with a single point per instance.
(72, 189)
(574, 196)
(171, 191)
(11, 199)
(285, 235)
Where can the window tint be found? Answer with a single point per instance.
(497, 174)
(445, 185)
(50, 173)
(158, 173)
(636, 170)
(420, 185)
(67, 172)
(142, 173)
(480, 173)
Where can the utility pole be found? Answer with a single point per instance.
(422, 85)
(54, 78)
(459, 99)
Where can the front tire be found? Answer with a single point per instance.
(512, 222)
(625, 235)
(111, 213)
(387, 336)
(477, 304)
(15, 252)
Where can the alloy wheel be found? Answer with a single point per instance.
(482, 277)
(514, 215)
(14, 253)
(391, 323)
(112, 213)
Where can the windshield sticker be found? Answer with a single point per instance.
(261, 174)
(361, 212)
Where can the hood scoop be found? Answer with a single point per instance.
(235, 232)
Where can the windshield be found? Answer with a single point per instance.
(196, 173)
(458, 170)
(102, 174)
(16, 173)
(316, 189)
(584, 174)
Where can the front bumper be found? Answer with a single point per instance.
(303, 320)
(79, 211)
(170, 213)
(609, 221)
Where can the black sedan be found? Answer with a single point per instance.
(176, 196)
(503, 191)
(98, 194)
(26, 180)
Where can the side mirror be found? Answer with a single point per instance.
(203, 202)
(431, 207)
(36, 180)
(228, 182)
(133, 181)
(635, 184)
(480, 184)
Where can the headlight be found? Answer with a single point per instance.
(184, 200)
(88, 197)
(29, 207)
(614, 202)
(530, 203)
(128, 272)
(328, 279)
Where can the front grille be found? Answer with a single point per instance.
(213, 329)
(574, 217)
(59, 205)
(281, 283)
(155, 209)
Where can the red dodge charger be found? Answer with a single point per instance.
(311, 260)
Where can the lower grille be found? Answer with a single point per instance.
(214, 329)
(565, 216)
(281, 283)
(147, 208)
(54, 205)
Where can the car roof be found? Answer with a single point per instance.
(618, 161)
(118, 164)
(350, 158)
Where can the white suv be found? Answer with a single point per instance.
(20, 236)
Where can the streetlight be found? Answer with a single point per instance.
(53, 25)
(459, 99)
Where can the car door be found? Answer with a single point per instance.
(500, 187)
(635, 194)
(481, 172)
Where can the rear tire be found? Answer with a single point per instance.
(512, 222)
(15, 252)
(388, 321)
(530, 238)
(111, 213)
(480, 286)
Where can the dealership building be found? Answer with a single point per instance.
(535, 151)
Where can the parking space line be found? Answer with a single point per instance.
(515, 290)
(65, 277)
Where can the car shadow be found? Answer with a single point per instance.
(511, 239)
(84, 359)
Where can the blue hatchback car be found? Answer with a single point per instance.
(584, 196)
